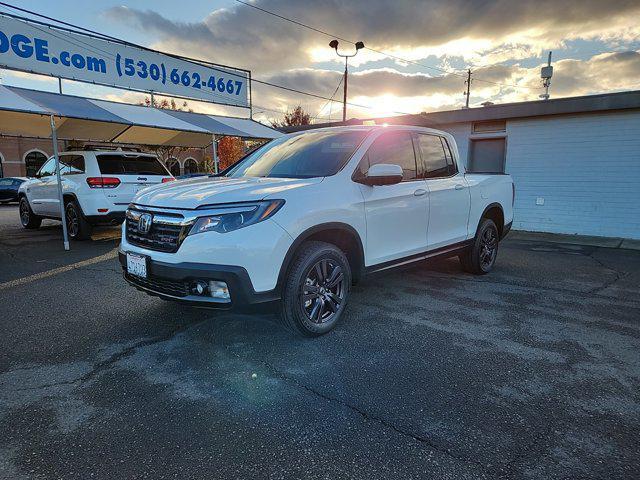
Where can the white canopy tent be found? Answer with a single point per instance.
(37, 114)
(26, 113)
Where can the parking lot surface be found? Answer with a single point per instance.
(532, 371)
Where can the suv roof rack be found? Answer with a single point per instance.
(112, 149)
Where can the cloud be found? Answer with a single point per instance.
(479, 31)
(499, 39)
(389, 91)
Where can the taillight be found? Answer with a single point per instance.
(103, 182)
(513, 194)
(169, 179)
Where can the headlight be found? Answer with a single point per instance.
(231, 217)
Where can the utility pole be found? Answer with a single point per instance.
(344, 97)
(467, 82)
(334, 44)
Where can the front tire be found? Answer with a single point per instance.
(316, 289)
(28, 219)
(481, 258)
(77, 226)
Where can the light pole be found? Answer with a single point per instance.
(334, 44)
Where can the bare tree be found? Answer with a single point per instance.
(293, 118)
(164, 153)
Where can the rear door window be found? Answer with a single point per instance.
(110, 164)
(71, 164)
(453, 169)
(433, 156)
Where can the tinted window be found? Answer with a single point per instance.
(314, 154)
(130, 165)
(433, 156)
(393, 148)
(453, 168)
(6, 182)
(48, 168)
(71, 164)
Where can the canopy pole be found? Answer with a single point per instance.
(215, 155)
(54, 139)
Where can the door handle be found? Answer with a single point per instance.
(419, 192)
(459, 186)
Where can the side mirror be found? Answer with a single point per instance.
(383, 174)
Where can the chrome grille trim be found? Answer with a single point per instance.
(168, 230)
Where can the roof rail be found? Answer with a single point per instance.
(111, 148)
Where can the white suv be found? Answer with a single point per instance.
(97, 187)
(303, 217)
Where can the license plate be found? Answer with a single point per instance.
(137, 265)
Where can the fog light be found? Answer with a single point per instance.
(219, 289)
(198, 288)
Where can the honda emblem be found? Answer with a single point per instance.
(144, 223)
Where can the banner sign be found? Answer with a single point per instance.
(34, 48)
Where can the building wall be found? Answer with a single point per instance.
(14, 149)
(584, 169)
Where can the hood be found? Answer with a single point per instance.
(195, 192)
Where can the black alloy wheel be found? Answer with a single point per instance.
(488, 248)
(480, 258)
(316, 289)
(323, 291)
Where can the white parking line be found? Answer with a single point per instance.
(50, 273)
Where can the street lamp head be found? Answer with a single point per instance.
(334, 44)
(359, 45)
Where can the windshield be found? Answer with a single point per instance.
(313, 154)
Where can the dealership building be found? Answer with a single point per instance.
(575, 161)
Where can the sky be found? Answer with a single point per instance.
(417, 56)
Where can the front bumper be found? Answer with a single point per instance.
(111, 218)
(171, 281)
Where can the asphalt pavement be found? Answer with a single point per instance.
(532, 371)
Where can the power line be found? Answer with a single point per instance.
(263, 82)
(390, 55)
(328, 101)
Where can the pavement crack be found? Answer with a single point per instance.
(619, 275)
(116, 357)
(366, 415)
(106, 364)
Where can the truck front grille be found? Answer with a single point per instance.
(163, 236)
(160, 285)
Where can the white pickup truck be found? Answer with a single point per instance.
(305, 216)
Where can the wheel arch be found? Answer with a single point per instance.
(495, 212)
(342, 235)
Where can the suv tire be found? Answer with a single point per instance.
(77, 226)
(28, 219)
(481, 257)
(316, 289)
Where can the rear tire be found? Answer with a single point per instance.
(28, 219)
(481, 257)
(77, 226)
(316, 289)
